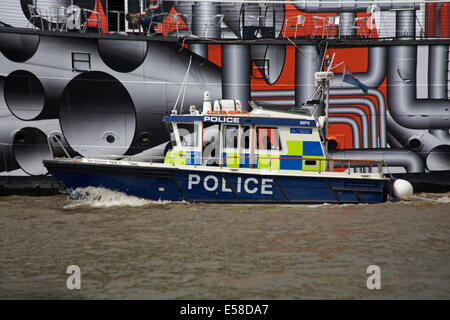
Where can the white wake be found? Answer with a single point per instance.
(105, 198)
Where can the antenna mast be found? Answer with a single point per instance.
(322, 80)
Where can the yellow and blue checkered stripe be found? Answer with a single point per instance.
(298, 153)
(183, 158)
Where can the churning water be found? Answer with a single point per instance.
(129, 248)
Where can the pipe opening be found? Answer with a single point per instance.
(414, 144)
(110, 138)
(18, 47)
(332, 145)
(24, 95)
(145, 139)
(30, 147)
(439, 158)
(122, 55)
(97, 115)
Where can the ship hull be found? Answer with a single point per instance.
(191, 185)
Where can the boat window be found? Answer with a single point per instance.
(173, 141)
(245, 139)
(310, 163)
(268, 138)
(230, 136)
(188, 134)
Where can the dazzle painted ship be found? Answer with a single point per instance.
(87, 79)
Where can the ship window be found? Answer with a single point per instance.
(188, 134)
(245, 139)
(310, 163)
(81, 61)
(268, 139)
(231, 136)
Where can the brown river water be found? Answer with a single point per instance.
(128, 248)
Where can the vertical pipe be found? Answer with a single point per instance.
(405, 24)
(437, 71)
(346, 20)
(204, 19)
(199, 48)
(236, 73)
(204, 25)
(437, 81)
(307, 62)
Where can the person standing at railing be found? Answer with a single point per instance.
(154, 13)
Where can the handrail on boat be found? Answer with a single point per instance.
(362, 163)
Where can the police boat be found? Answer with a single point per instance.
(224, 153)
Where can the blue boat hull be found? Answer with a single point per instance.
(177, 184)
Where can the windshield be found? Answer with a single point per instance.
(169, 127)
(188, 134)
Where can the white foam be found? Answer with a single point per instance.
(106, 198)
(445, 199)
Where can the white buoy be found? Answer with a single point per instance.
(402, 189)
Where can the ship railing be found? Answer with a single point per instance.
(129, 158)
(271, 162)
(322, 165)
(234, 20)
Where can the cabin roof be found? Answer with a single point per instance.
(300, 121)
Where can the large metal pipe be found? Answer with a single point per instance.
(236, 73)
(393, 157)
(437, 81)
(205, 25)
(307, 62)
(405, 24)
(442, 134)
(401, 93)
(375, 74)
(346, 20)
(277, 103)
(364, 123)
(353, 125)
(393, 143)
(437, 71)
(362, 116)
(33, 93)
(25, 145)
(435, 152)
(367, 102)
